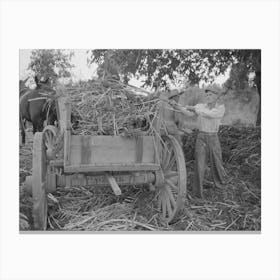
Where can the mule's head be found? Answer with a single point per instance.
(22, 83)
(44, 85)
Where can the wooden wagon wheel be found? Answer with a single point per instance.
(39, 193)
(173, 189)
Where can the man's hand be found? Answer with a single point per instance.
(174, 104)
(190, 108)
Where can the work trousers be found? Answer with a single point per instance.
(208, 146)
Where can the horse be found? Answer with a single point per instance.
(36, 106)
(22, 86)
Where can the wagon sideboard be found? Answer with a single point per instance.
(109, 153)
(86, 153)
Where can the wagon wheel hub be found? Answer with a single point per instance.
(159, 179)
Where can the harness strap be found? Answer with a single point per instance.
(37, 98)
(46, 94)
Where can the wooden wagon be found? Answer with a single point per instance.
(105, 161)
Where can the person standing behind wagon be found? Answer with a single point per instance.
(207, 144)
(167, 114)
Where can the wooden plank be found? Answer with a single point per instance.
(110, 149)
(62, 112)
(114, 185)
(68, 115)
(67, 147)
(56, 163)
(122, 179)
(85, 150)
(158, 125)
(111, 167)
(64, 118)
(68, 181)
(51, 182)
(78, 180)
(156, 142)
(139, 149)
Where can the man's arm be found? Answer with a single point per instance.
(188, 111)
(215, 113)
(190, 108)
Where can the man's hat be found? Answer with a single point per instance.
(212, 91)
(218, 93)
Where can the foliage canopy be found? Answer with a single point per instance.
(50, 63)
(160, 66)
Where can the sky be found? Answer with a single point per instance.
(81, 70)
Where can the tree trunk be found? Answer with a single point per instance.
(259, 84)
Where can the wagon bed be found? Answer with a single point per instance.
(106, 160)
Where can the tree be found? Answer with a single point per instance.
(109, 68)
(161, 66)
(246, 69)
(238, 77)
(158, 67)
(50, 63)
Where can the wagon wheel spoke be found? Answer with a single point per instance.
(167, 203)
(166, 159)
(171, 185)
(163, 206)
(159, 200)
(49, 139)
(50, 134)
(169, 157)
(164, 152)
(171, 197)
(171, 163)
(171, 174)
(173, 189)
(168, 207)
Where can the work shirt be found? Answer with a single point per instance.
(209, 119)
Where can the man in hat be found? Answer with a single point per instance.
(168, 114)
(207, 144)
